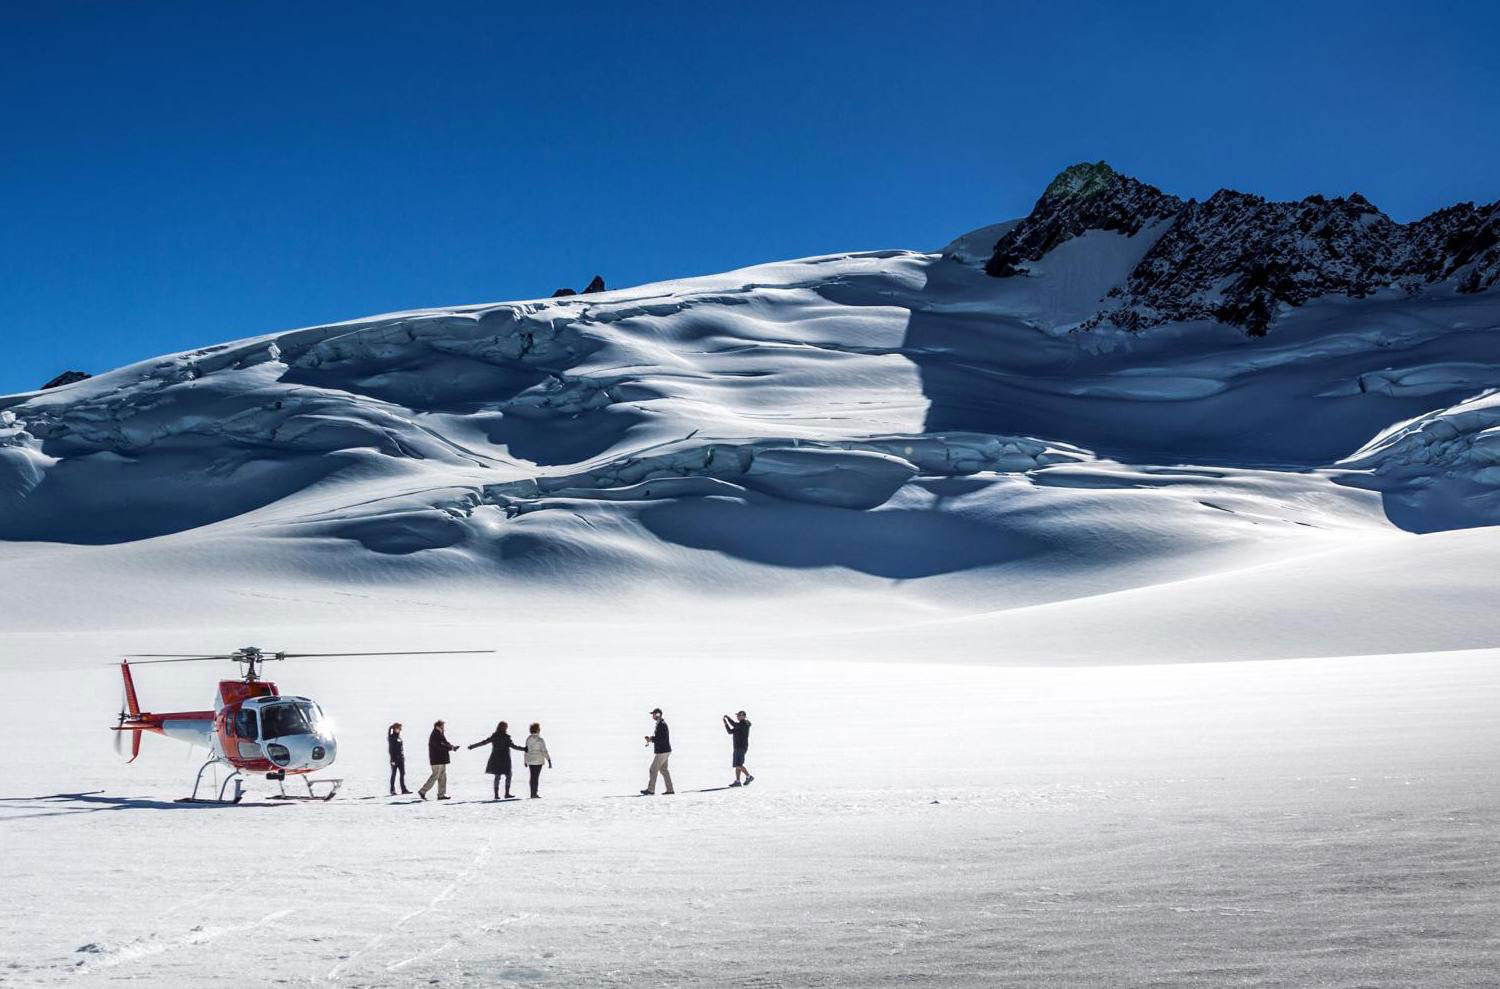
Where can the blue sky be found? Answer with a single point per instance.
(182, 174)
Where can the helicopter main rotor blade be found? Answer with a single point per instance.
(171, 657)
(145, 658)
(416, 652)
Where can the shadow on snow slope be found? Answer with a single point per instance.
(1314, 391)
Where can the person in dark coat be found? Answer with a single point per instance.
(397, 749)
(438, 748)
(738, 728)
(660, 743)
(499, 762)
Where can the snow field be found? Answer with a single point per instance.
(1321, 822)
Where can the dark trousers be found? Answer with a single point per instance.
(506, 776)
(398, 766)
(536, 778)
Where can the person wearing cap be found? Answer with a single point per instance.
(438, 748)
(660, 741)
(739, 729)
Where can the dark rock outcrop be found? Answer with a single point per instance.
(67, 378)
(1084, 197)
(597, 285)
(1239, 259)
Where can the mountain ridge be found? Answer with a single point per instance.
(1243, 260)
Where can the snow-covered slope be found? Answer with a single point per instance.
(894, 428)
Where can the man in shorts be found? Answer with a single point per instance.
(738, 728)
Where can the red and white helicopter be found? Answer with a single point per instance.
(253, 727)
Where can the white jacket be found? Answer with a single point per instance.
(536, 751)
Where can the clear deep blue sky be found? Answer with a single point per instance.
(181, 174)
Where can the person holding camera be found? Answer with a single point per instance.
(739, 729)
(660, 742)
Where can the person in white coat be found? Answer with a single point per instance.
(536, 756)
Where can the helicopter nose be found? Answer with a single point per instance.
(322, 751)
(302, 751)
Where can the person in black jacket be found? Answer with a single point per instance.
(739, 729)
(499, 762)
(437, 754)
(397, 750)
(661, 744)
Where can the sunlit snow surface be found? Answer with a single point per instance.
(975, 577)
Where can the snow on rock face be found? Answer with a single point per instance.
(1081, 198)
(1241, 260)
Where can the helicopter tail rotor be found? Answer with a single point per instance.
(130, 710)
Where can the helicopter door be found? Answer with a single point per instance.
(247, 730)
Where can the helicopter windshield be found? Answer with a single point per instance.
(291, 718)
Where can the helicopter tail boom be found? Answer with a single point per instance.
(194, 727)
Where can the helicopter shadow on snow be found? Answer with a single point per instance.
(95, 800)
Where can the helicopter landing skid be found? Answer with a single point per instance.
(235, 777)
(333, 788)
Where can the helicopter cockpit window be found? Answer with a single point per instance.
(290, 718)
(244, 723)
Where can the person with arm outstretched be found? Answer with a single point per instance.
(499, 761)
(738, 728)
(438, 749)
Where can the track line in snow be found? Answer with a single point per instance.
(480, 857)
(453, 943)
(199, 935)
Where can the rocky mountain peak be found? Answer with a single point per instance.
(1241, 259)
(1082, 197)
(1081, 181)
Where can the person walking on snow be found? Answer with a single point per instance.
(536, 754)
(739, 729)
(397, 749)
(437, 754)
(661, 744)
(499, 762)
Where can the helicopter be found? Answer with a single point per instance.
(252, 728)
